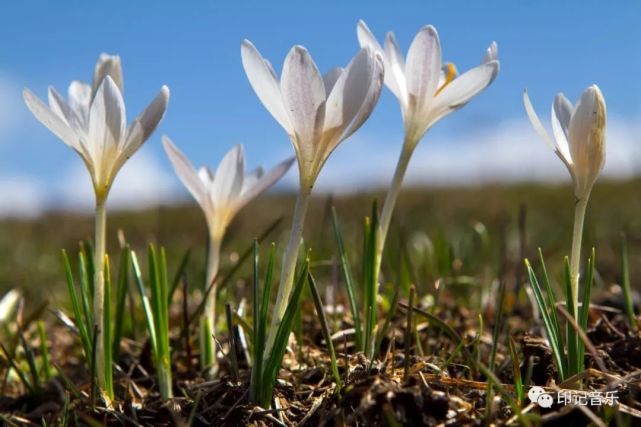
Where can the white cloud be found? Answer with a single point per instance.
(511, 151)
(21, 196)
(508, 152)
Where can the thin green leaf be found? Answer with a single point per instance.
(516, 370)
(349, 281)
(121, 297)
(574, 365)
(551, 300)
(325, 329)
(282, 338)
(145, 300)
(75, 306)
(627, 293)
(550, 328)
(106, 333)
(44, 351)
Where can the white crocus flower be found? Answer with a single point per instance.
(317, 112)
(579, 136)
(220, 194)
(579, 141)
(93, 122)
(427, 89)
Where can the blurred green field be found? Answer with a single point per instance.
(425, 218)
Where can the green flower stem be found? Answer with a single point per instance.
(208, 322)
(575, 258)
(99, 285)
(213, 261)
(395, 189)
(390, 200)
(289, 266)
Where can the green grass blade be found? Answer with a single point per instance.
(370, 281)
(121, 297)
(75, 306)
(325, 330)
(106, 333)
(445, 328)
(349, 281)
(584, 311)
(498, 325)
(86, 251)
(16, 368)
(44, 351)
(550, 328)
(551, 300)
(31, 360)
(516, 370)
(282, 338)
(625, 282)
(263, 317)
(145, 300)
(257, 338)
(572, 337)
(86, 290)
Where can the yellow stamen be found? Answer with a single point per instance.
(449, 77)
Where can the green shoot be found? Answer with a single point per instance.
(318, 303)
(266, 366)
(123, 287)
(349, 282)
(627, 293)
(516, 370)
(106, 333)
(568, 350)
(157, 315)
(44, 351)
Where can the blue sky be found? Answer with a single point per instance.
(193, 47)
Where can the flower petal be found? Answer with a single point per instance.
(395, 69)
(492, 53)
(330, 78)
(154, 112)
(423, 67)
(108, 65)
(143, 126)
(362, 89)
(185, 171)
(462, 89)
(106, 129)
(561, 114)
(250, 179)
(536, 122)
(366, 38)
(586, 133)
(79, 100)
(265, 181)
(58, 105)
(304, 96)
(228, 179)
(265, 84)
(52, 121)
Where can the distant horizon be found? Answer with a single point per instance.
(196, 51)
